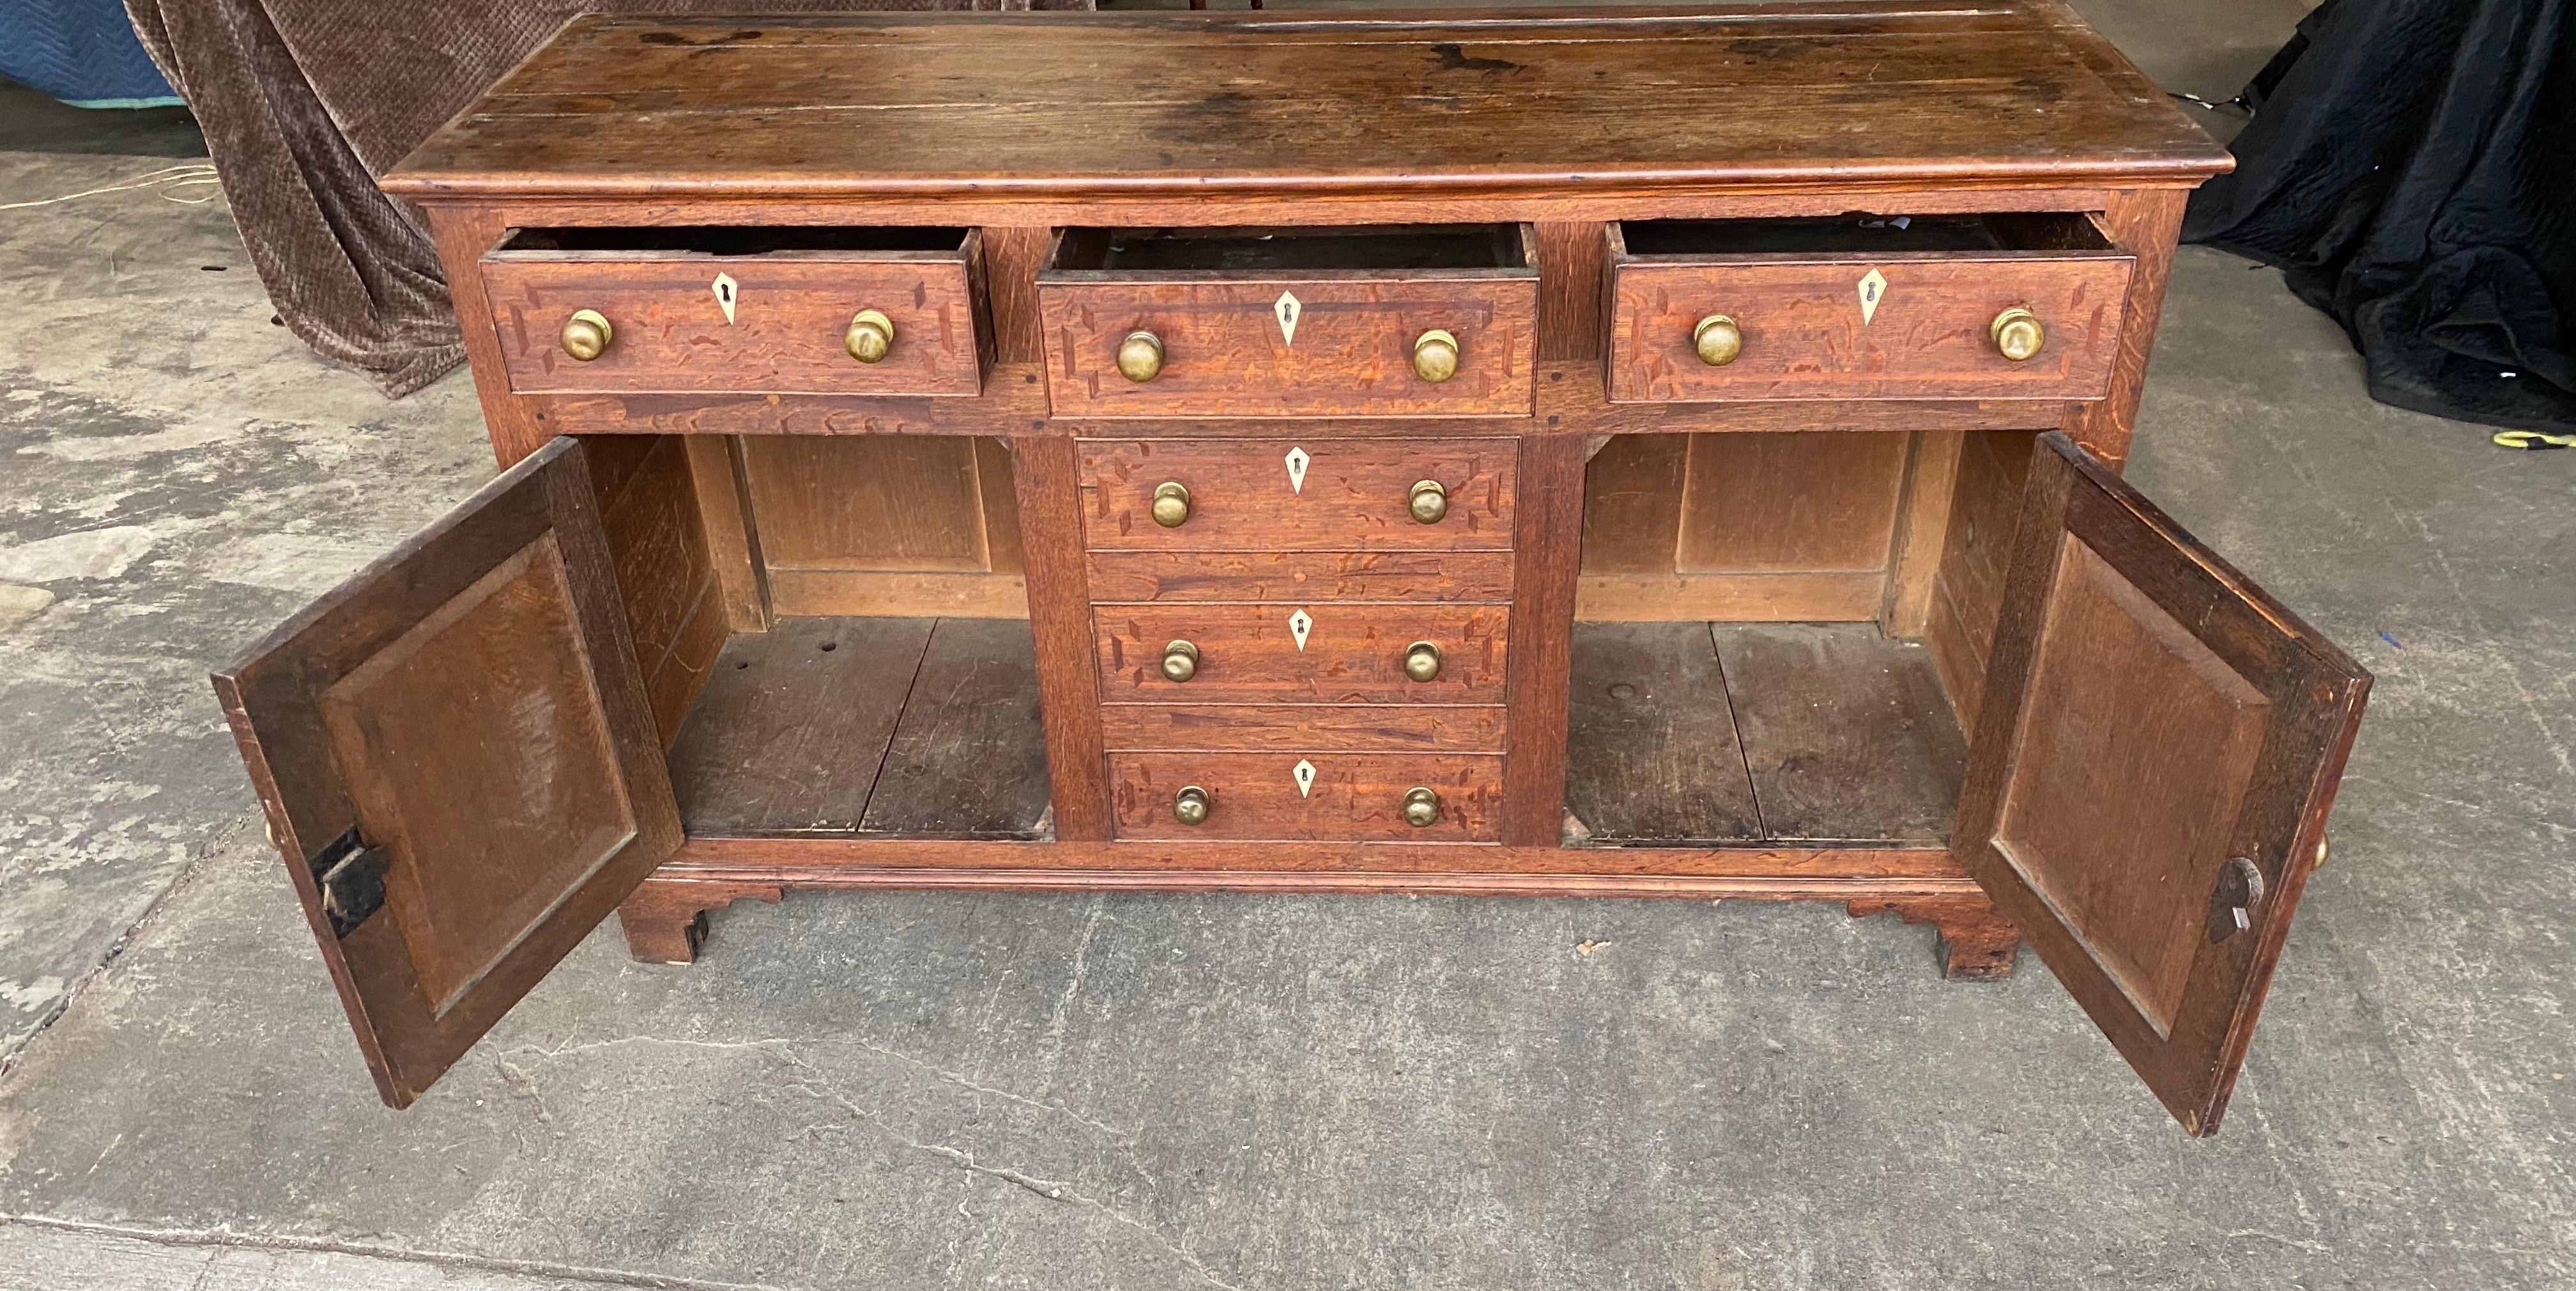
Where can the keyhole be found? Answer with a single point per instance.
(2232, 899)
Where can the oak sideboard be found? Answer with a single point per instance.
(1617, 452)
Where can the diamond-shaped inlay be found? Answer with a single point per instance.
(1873, 289)
(1297, 461)
(1304, 772)
(1299, 624)
(726, 290)
(1288, 308)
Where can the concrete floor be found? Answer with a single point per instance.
(1147, 1092)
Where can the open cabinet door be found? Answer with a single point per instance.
(2150, 773)
(457, 761)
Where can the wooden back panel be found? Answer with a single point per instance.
(458, 763)
(2152, 723)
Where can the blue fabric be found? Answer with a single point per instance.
(80, 51)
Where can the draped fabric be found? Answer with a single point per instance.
(2411, 166)
(305, 102)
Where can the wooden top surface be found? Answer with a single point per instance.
(1420, 102)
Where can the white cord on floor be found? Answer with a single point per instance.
(166, 179)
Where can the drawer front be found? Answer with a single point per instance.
(1806, 335)
(1352, 796)
(1444, 728)
(789, 333)
(1342, 346)
(1353, 494)
(1353, 653)
(1174, 576)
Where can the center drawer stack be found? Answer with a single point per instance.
(1302, 623)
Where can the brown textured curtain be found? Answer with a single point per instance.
(304, 102)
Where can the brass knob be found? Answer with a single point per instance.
(1190, 805)
(871, 335)
(586, 334)
(1171, 504)
(1718, 340)
(1429, 502)
(2017, 334)
(1140, 356)
(1435, 356)
(1421, 807)
(1180, 661)
(1422, 661)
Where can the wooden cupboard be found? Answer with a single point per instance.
(1659, 452)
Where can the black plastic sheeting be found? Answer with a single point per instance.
(2411, 166)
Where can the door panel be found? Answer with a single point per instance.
(458, 762)
(2150, 774)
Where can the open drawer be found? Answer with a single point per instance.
(786, 310)
(1865, 307)
(1430, 320)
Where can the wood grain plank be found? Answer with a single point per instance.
(1059, 105)
(1653, 757)
(968, 758)
(1800, 503)
(1547, 537)
(2148, 222)
(724, 516)
(1845, 732)
(1046, 477)
(1632, 505)
(1452, 728)
(1755, 870)
(1301, 576)
(788, 734)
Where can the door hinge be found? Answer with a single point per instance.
(351, 876)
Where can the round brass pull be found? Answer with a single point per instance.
(871, 335)
(1435, 356)
(1717, 340)
(1421, 807)
(586, 334)
(1422, 661)
(2017, 334)
(1190, 805)
(1180, 661)
(1140, 356)
(1171, 504)
(1429, 502)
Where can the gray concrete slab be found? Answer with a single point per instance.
(179, 474)
(986, 1090)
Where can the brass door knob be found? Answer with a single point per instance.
(1421, 807)
(1140, 356)
(1171, 504)
(871, 335)
(1718, 340)
(2017, 334)
(1429, 502)
(1190, 805)
(1435, 356)
(1422, 661)
(586, 334)
(1180, 661)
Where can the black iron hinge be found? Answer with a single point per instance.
(351, 876)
